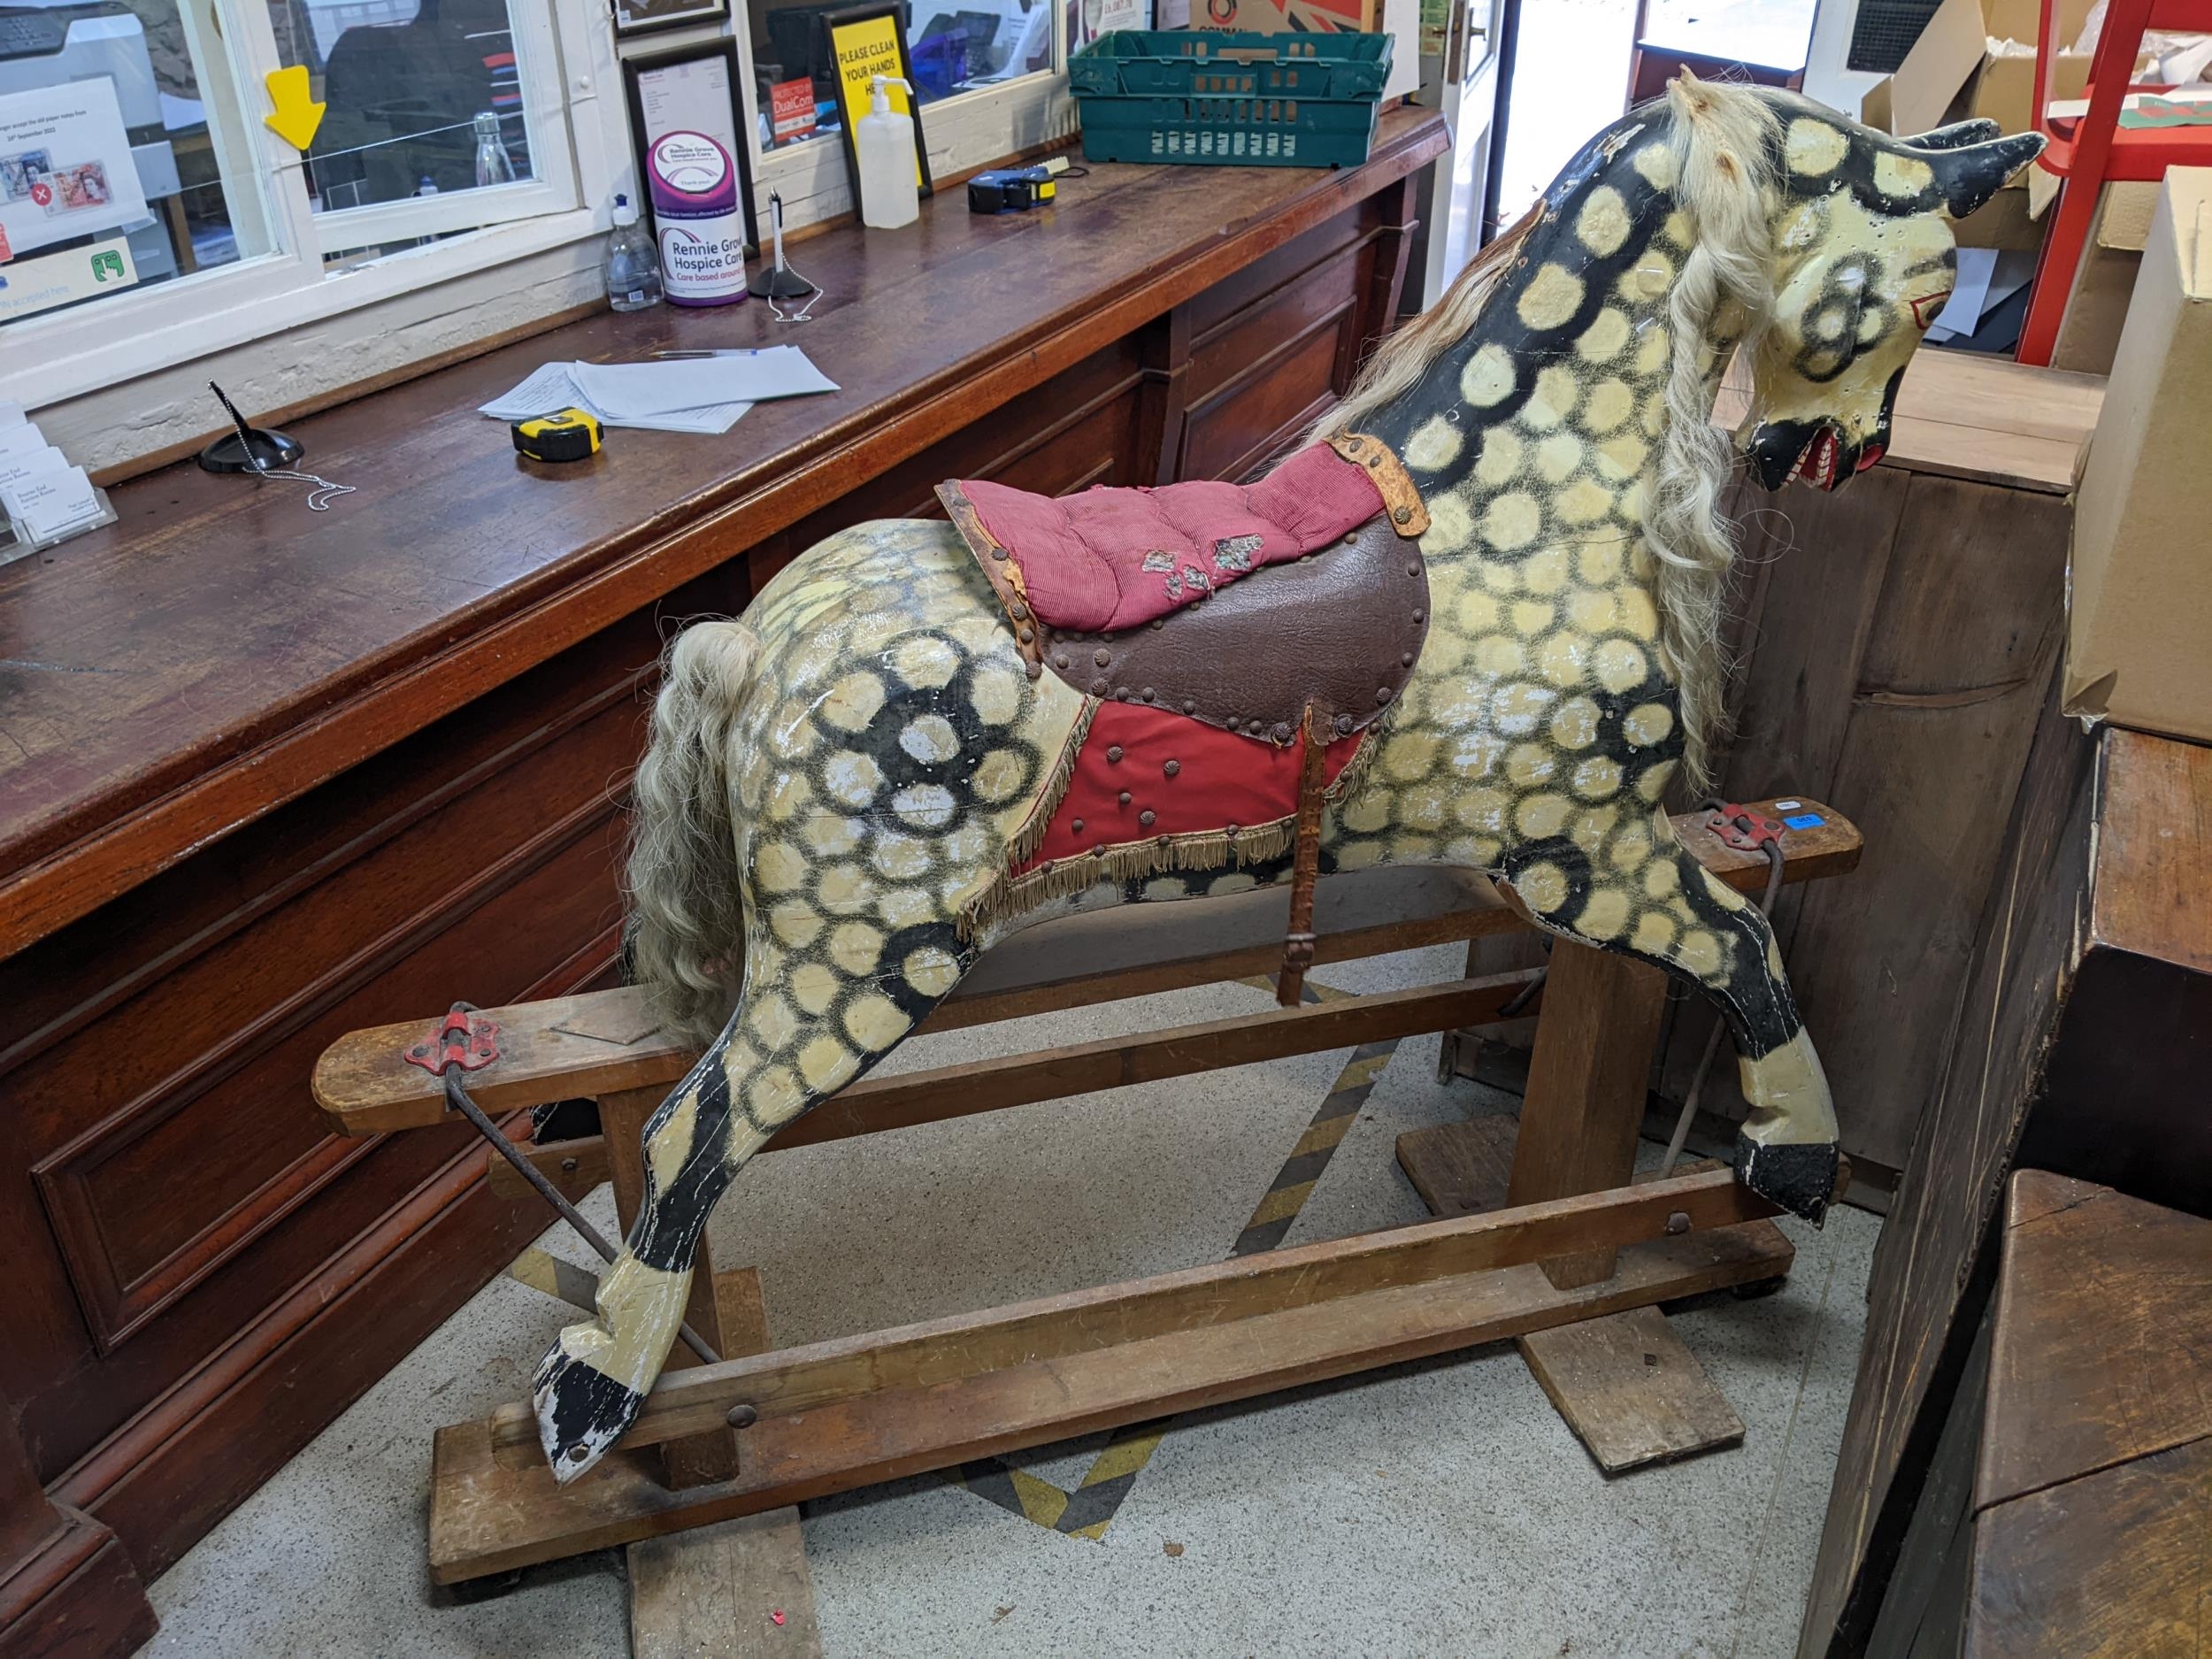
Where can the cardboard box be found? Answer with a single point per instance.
(1401, 18)
(2138, 649)
(1287, 17)
(1952, 73)
(2097, 306)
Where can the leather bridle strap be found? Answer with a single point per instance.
(1305, 864)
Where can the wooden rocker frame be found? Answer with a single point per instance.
(1578, 1239)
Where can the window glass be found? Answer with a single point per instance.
(109, 174)
(421, 97)
(955, 45)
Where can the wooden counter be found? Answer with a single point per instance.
(267, 776)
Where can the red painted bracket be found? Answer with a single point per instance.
(462, 1038)
(1741, 828)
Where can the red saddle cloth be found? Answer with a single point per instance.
(1113, 558)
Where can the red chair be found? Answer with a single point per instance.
(2088, 151)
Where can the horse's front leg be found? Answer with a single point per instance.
(801, 1032)
(1644, 896)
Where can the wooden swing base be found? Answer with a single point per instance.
(1579, 1241)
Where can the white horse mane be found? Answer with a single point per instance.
(1724, 139)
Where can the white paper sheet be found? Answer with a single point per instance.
(554, 388)
(630, 390)
(1969, 291)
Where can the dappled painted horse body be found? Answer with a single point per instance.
(849, 792)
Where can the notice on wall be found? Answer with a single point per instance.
(791, 109)
(48, 279)
(695, 178)
(864, 50)
(65, 166)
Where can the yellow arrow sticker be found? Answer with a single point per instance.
(296, 115)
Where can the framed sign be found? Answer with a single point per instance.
(863, 41)
(642, 17)
(687, 122)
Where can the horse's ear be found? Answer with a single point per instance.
(1970, 176)
(1958, 136)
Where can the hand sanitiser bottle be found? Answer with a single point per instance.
(634, 271)
(883, 139)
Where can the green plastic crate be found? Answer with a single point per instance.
(1212, 97)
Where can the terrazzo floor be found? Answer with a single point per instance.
(1437, 1508)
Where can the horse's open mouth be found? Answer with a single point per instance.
(1819, 463)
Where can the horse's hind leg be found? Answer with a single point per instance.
(805, 1027)
(1639, 891)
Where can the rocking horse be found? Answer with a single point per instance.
(1472, 623)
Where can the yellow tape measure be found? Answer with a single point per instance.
(569, 435)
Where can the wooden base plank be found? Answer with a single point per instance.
(1626, 1384)
(496, 1507)
(1461, 1168)
(1629, 1391)
(713, 1593)
(739, 1589)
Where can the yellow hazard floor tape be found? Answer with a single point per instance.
(1089, 1510)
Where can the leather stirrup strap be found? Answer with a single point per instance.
(1305, 865)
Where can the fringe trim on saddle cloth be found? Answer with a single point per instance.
(1012, 895)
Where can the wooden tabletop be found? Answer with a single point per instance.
(220, 649)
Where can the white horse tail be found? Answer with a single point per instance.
(687, 924)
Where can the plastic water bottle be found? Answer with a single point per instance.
(634, 270)
(493, 166)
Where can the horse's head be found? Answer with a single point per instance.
(1863, 260)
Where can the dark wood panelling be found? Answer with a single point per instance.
(67, 1587)
(1230, 434)
(2082, 1044)
(200, 1278)
(1894, 641)
(1285, 267)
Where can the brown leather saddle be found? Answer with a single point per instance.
(1289, 611)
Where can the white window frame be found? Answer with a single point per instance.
(569, 60)
(551, 189)
(564, 49)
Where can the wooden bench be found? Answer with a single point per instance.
(831, 1415)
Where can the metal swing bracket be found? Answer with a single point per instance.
(464, 1038)
(1743, 829)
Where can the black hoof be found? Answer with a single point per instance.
(1801, 1177)
(581, 1412)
